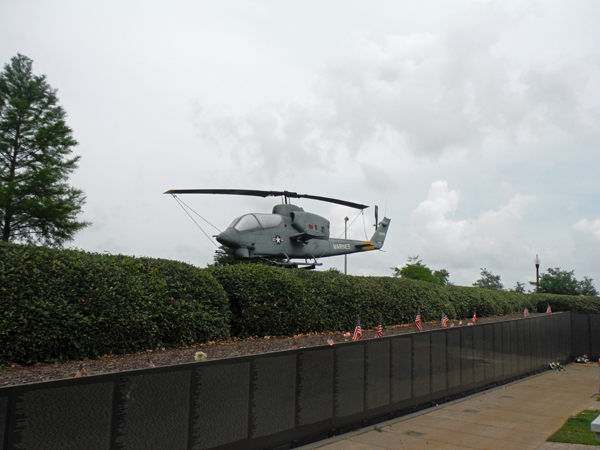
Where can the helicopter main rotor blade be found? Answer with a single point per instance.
(258, 193)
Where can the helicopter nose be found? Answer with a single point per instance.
(229, 238)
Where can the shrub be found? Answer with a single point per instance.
(274, 301)
(566, 303)
(70, 304)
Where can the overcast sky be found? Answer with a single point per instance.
(474, 125)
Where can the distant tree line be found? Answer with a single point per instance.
(554, 281)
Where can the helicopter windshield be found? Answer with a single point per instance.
(250, 221)
(233, 223)
(268, 220)
(246, 222)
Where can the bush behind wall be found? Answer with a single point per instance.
(274, 301)
(69, 304)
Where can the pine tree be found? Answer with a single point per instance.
(36, 203)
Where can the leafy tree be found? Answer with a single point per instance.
(563, 282)
(442, 277)
(489, 281)
(519, 288)
(224, 257)
(558, 281)
(587, 288)
(414, 269)
(36, 203)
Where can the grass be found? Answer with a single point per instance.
(576, 429)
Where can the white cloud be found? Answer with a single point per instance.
(435, 92)
(480, 94)
(493, 238)
(589, 229)
(586, 234)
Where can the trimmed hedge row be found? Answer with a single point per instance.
(272, 301)
(69, 304)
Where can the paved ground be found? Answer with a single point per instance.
(521, 415)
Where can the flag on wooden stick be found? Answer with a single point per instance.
(548, 309)
(379, 331)
(80, 372)
(526, 312)
(418, 320)
(475, 319)
(150, 364)
(444, 320)
(357, 336)
(330, 341)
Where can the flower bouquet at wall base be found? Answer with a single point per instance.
(556, 366)
(582, 359)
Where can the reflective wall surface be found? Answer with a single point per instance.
(286, 398)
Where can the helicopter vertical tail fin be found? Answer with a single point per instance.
(380, 233)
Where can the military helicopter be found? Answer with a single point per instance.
(289, 232)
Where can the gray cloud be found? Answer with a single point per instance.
(493, 237)
(435, 92)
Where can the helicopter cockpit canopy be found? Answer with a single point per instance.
(251, 221)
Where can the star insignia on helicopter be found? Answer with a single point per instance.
(278, 239)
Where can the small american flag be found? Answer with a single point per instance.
(329, 340)
(150, 364)
(460, 322)
(548, 309)
(418, 320)
(81, 372)
(379, 331)
(526, 312)
(357, 336)
(452, 324)
(295, 347)
(475, 319)
(444, 320)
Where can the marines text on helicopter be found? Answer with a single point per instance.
(289, 232)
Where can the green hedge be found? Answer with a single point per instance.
(69, 304)
(560, 303)
(272, 301)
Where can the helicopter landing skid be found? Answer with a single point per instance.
(289, 264)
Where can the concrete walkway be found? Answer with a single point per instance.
(521, 415)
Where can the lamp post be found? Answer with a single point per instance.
(345, 237)
(537, 274)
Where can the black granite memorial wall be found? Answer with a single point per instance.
(286, 399)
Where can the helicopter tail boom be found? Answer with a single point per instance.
(379, 236)
(346, 246)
